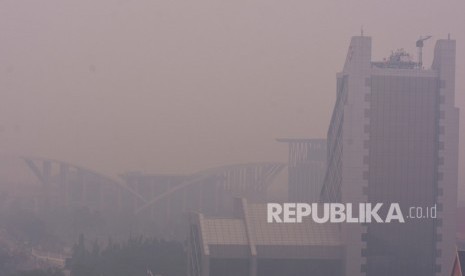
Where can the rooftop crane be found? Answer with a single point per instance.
(420, 50)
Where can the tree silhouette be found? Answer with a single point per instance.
(133, 257)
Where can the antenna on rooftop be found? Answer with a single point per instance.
(420, 43)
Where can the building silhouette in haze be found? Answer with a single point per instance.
(393, 138)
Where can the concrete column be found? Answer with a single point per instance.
(205, 265)
(253, 265)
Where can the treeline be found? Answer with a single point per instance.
(135, 257)
(7, 265)
(41, 272)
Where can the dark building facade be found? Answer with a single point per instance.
(306, 168)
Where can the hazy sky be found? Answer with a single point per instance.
(177, 86)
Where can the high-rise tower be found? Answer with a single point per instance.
(393, 138)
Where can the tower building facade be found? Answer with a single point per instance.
(306, 168)
(393, 138)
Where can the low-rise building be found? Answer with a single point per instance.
(246, 244)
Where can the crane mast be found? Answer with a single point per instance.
(420, 43)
